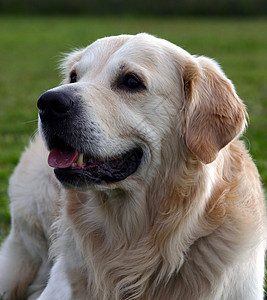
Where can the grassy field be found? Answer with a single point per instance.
(29, 53)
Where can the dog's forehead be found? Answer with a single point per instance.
(99, 52)
(141, 48)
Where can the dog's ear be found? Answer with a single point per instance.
(68, 61)
(214, 113)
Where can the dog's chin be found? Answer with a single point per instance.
(91, 172)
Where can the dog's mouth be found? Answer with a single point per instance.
(80, 170)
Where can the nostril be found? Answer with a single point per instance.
(61, 105)
(54, 103)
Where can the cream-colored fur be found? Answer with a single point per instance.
(189, 224)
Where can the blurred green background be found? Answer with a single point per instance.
(34, 33)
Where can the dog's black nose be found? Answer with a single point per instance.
(54, 104)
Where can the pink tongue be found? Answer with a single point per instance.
(59, 158)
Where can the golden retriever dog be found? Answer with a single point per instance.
(137, 187)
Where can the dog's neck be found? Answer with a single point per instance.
(128, 215)
(137, 227)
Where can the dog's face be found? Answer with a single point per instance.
(131, 106)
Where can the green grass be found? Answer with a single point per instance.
(30, 48)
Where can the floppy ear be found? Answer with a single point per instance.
(215, 115)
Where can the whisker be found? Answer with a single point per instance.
(35, 133)
(32, 121)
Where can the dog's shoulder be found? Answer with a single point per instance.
(33, 190)
(239, 195)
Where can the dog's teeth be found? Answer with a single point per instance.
(80, 160)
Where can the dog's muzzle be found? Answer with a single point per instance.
(61, 114)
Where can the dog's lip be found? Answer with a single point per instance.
(78, 169)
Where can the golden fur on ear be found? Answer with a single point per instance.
(215, 113)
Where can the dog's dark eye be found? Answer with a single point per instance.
(132, 82)
(73, 77)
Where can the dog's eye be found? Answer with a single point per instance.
(132, 82)
(73, 77)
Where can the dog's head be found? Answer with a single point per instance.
(131, 105)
